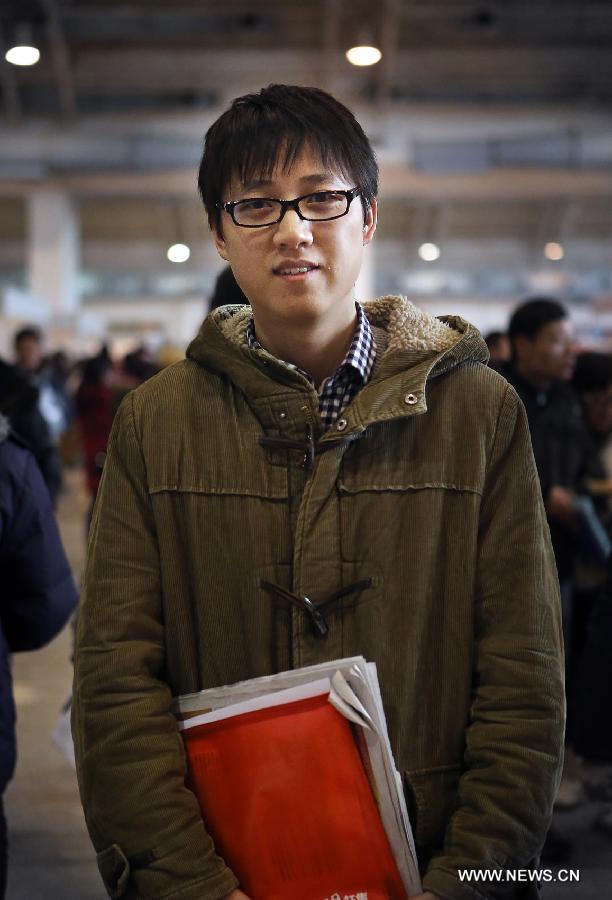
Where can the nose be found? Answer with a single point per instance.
(292, 231)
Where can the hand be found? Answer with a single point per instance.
(560, 505)
(236, 895)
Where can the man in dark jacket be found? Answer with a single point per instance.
(38, 592)
(19, 402)
(542, 363)
(543, 360)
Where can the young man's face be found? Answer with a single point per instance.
(551, 354)
(330, 251)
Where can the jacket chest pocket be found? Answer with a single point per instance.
(238, 468)
(411, 455)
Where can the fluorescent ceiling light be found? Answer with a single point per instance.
(363, 55)
(22, 55)
(554, 251)
(178, 253)
(429, 252)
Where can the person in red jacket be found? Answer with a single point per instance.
(95, 407)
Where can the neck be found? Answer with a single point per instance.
(537, 381)
(316, 347)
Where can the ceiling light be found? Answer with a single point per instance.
(429, 252)
(554, 251)
(22, 55)
(363, 55)
(178, 253)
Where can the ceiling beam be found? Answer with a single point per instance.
(389, 42)
(61, 61)
(397, 182)
(543, 9)
(510, 71)
(450, 10)
(330, 46)
(10, 90)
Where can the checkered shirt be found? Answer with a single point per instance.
(337, 391)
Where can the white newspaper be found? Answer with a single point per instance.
(352, 688)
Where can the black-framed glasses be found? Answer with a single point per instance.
(320, 206)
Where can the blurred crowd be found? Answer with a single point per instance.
(567, 395)
(63, 410)
(53, 412)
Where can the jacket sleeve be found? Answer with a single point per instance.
(514, 738)
(39, 594)
(144, 822)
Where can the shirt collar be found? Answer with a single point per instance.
(360, 355)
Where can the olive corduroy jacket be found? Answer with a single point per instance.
(421, 504)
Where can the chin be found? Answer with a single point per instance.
(305, 302)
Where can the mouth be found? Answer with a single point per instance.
(295, 271)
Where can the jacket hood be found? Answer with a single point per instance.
(407, 330)
(412, 348)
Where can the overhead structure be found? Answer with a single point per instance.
(492, 123)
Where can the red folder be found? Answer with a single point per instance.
(286, 799)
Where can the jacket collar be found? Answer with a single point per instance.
(418, 347)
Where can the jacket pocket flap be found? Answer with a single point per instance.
(115, 870)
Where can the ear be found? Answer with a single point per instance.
(371, 218)
(220, 244)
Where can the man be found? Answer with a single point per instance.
(543, 361)
(592, 381)
(362, 457)
(498, 344)
(53, 400)
(542, 364)
(21, 401)
(28, 349)
(591, 648)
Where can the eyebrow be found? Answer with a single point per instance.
(306, 180)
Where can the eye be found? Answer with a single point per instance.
(324, 197)
(325, 203)
(257, 204)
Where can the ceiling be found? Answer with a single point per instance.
(490, 119)
(155, 54)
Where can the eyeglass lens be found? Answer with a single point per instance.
(315, 207)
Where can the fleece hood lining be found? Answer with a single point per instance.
(407, 326)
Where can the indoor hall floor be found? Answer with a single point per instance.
(591, 857)
(50, 856)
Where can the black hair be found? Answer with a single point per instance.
(532, 315)
(246, 140)
(137, 364)
(28, 332)
(96, 367)
(593, 372)
(227, 291)
(494, 337)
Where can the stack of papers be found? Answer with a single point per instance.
(297, 785)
